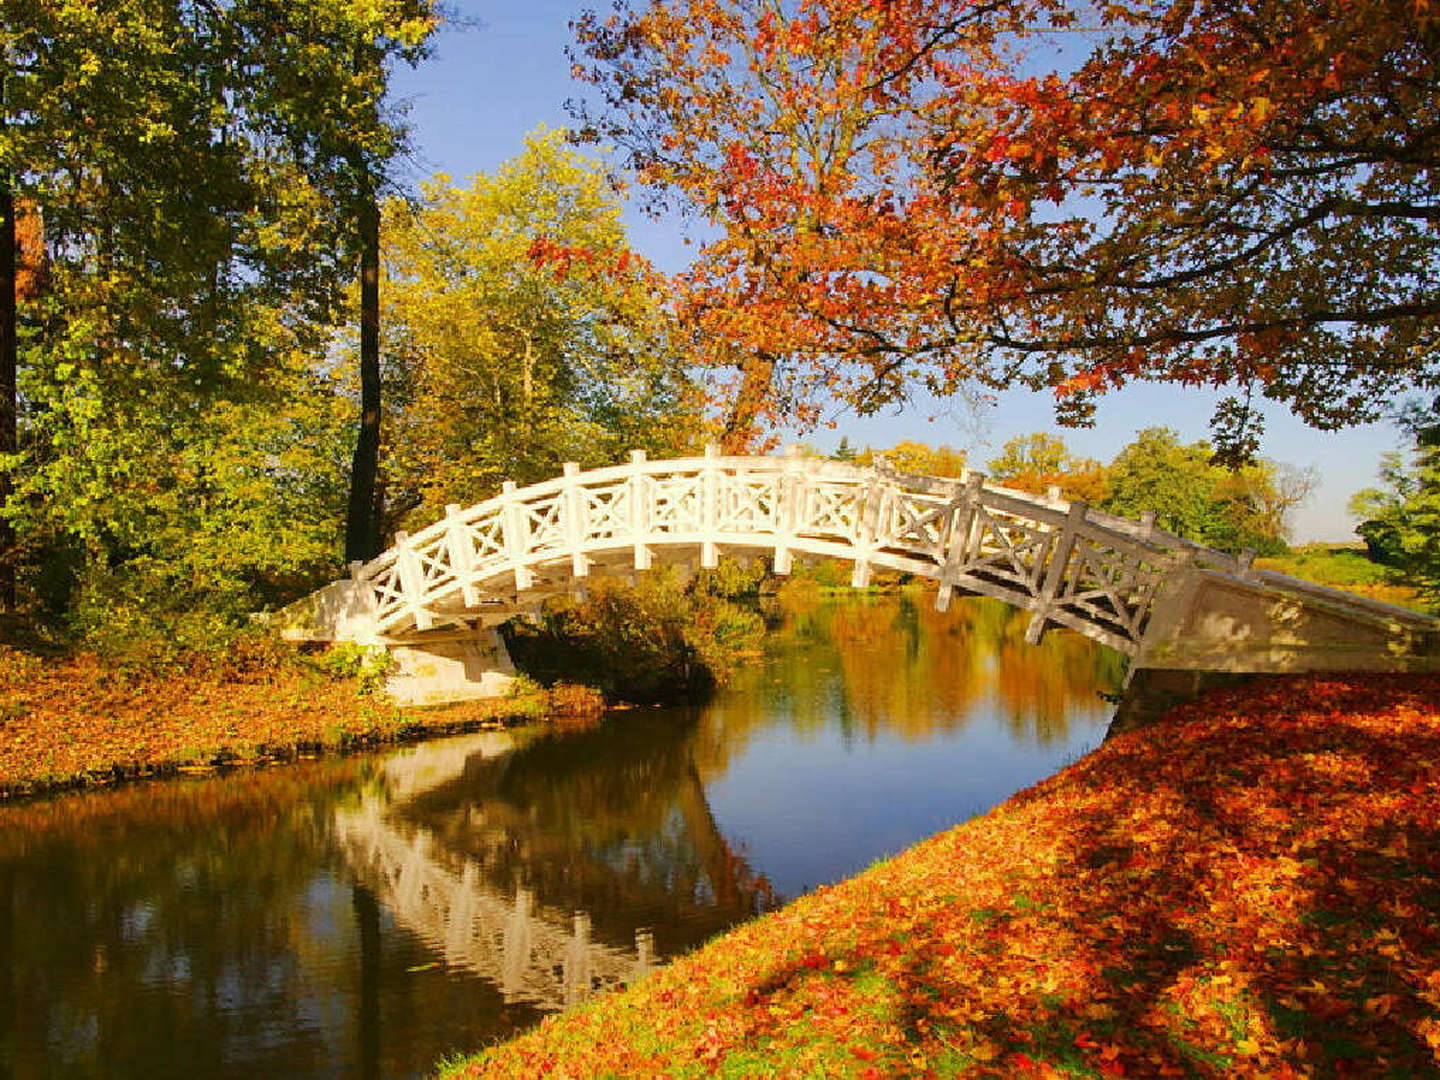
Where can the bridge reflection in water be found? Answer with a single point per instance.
(527, 861)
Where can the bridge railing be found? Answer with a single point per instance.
(1066, 563)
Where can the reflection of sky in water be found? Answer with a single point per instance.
(809, 810)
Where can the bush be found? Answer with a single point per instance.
(366, 664)
(659, 641)
(135, 618)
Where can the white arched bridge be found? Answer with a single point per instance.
(1162, 600)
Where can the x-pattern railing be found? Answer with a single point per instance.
(1062, 561)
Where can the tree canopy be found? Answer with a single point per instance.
(184, 179)
(933, 193)
(1400, 521)
(522, 332)
(1039, 461)
(1189, 495)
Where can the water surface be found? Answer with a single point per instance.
(364, 916)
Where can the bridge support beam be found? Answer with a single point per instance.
(455, 664)
(1260, 622)
(1213, 631)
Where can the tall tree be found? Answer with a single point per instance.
(9, 355)
(1223, 193)
(190, 163)
(1190, 495)
(521, 332)
(1400, 522)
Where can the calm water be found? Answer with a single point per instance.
(365, 916)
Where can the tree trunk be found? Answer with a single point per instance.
(741, 428)
(362, 527)
(9, 399)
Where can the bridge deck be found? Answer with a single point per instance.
(1124, 583)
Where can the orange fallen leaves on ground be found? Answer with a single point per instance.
(73, 720)
(1250, 888)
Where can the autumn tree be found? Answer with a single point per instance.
(917, 458)
(919, 193)
(522, 332)
(1040, 461)
(184, 163)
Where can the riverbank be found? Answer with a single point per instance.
(70, 720)
(1248, 888)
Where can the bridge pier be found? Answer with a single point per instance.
(453, 664)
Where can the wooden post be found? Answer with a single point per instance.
(639, 510)
(516, 537)
(868, 530)
(1055, 572)
(462, 555)
(412, 581)
(576, 523)
(710, 510)
(957, 544)
(1244, 562)
(787, 509)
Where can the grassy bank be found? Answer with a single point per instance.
(72, 719)
(1250, 888)
(1347, 567)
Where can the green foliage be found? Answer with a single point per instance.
(1194, 498)
(1039, 461)
(1327, 564)
(1401, 520)
(196, 169)
(368, 665)
(130, 618)
(916, 458)
(732, 578)
(522, 333)
(659, 640)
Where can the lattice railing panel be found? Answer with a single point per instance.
(917, 523)
(545, 523)
(748, 504)
(1109, 586)
(607, 512)
(832, 509)
(433, 562)
(678, 505)
(389, 593)
(1008, 548)
(487, 537)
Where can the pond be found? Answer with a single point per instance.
(365, 916)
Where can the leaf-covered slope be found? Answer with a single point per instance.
(1251, 888)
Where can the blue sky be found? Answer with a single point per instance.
(493, 82)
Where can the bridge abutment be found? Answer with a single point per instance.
(1150, 693)
(450, 665)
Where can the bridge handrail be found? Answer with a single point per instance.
(1065, 562)
(1097, 524)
